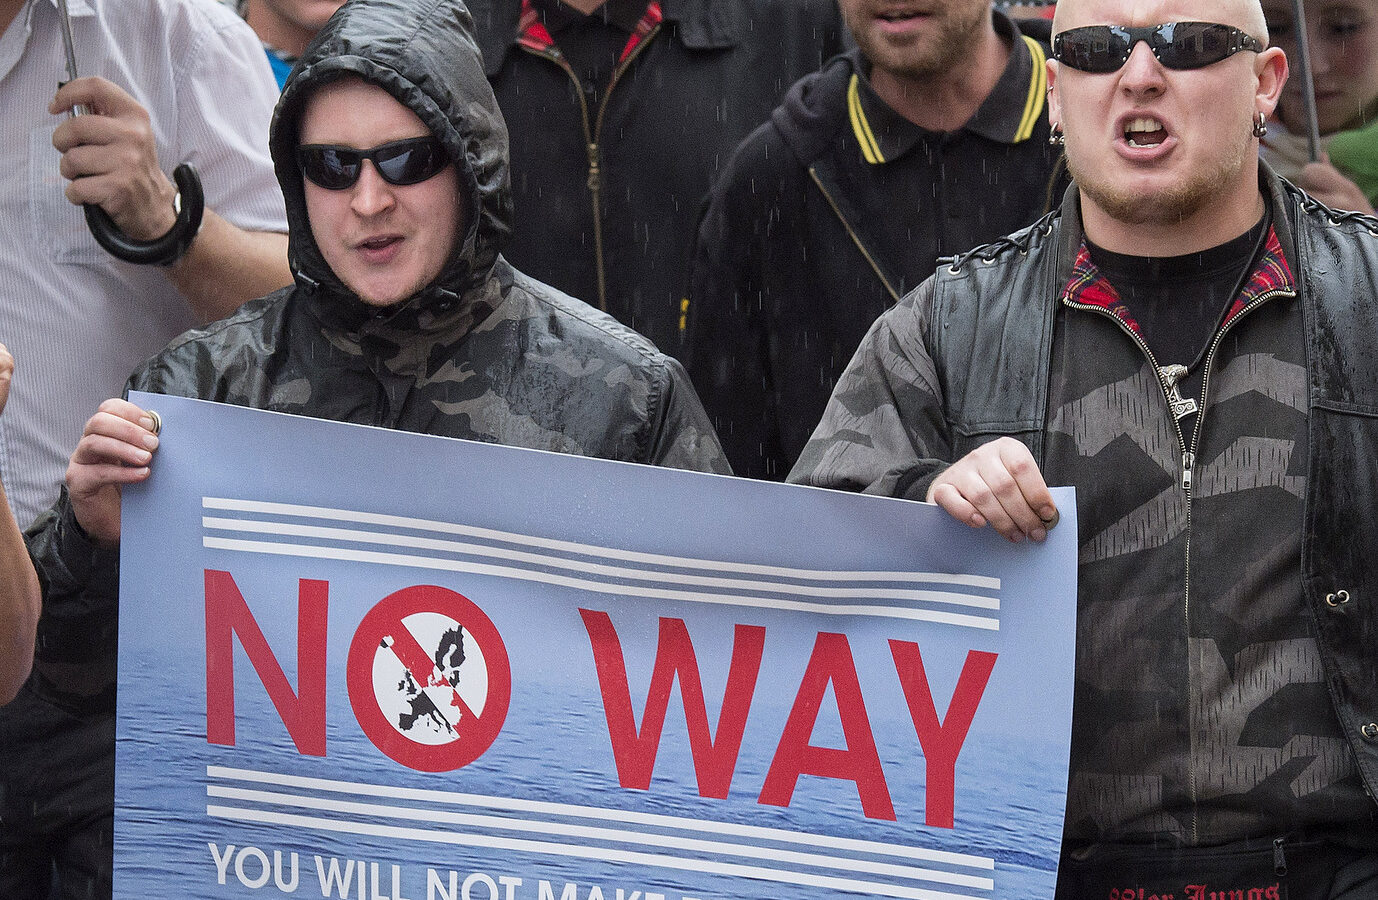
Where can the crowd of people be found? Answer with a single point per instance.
(932, 251)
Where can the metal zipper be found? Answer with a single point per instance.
(595, 183)
(1215, 345)
(1187, 457)
(595, 176)
(1188, 464)
(1190, 459)
(591, 139)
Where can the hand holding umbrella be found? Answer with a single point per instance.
(110, 157)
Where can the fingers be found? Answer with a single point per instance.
(119, 434)
(6, 375)
(120, 418)
(115, 449)
(142, 207)
(1034, 496)
(98, 95)
(948, 496)
(995, 490)
(998, 484)
(111, 158)
(94, 146)
(86, 482)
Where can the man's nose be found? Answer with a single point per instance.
(1142, 73)
(372, 194)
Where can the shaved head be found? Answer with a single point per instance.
(1246, 15)
(1165, 155)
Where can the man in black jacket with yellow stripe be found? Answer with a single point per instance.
(929, 139)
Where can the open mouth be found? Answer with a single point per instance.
(896, 17)
(379, 243)
(1145, 131)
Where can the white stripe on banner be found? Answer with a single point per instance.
(654, 820)
(536, 559)
(431, 816)
(650, 559)
(526, 565)
(587, 833)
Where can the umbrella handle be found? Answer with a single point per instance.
(1308, 82)
(163, 251)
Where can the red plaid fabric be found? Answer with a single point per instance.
(1089, 287)
(532, 33)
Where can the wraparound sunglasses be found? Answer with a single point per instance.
(409, 161)
(1177, 45)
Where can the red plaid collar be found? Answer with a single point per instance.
(1089, 287)
(532, 33)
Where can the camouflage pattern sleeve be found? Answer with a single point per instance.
(682, 436)
(74, 659)
(69, 561)
(883, 431)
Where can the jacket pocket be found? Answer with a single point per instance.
(967, 438)
(1340, 567)
(1344, 486)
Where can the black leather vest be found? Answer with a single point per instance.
(995, 373)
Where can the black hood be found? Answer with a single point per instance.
(423, 53)
(807, 118)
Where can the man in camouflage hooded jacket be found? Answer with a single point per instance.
(481, 351)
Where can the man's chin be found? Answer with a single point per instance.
(1165, 198)
(943, 44)
(1150, 205)
(383, 296)
(1159, 210)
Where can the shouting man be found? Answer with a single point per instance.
(1187, 342)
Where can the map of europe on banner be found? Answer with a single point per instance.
(374, 665)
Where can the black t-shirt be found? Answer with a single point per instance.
(1180, 302)
(593, 43)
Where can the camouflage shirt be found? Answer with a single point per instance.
(515, 362)
(1202, 713)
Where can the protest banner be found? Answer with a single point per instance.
(377, 665)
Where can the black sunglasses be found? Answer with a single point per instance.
(1177, 45)
(399, 162)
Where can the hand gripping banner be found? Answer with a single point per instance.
(373, 665)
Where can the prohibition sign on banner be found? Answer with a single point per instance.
(429, 678)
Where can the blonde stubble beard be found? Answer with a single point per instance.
(1171, 206)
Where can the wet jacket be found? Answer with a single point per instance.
(829, 213)
(483, 352)
(1227, 656)
(606, 197)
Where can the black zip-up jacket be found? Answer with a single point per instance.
(711, 71)
(830, 212)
